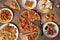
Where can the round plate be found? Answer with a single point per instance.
(39, 5)
(10, 13)
(56, 28)
(23, 4)
(10, 24)
(29, 17)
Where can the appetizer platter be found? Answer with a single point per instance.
(50, 29)
(24, 21)
(8, 31)
(45, 6)
(28, 20)
(6, 15)
(28, 4)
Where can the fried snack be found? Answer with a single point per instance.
(48, 5)
(5, 15)
(24, 19)
(41, 7)
(50, 29)
(5, 35)
(29, 3)
(46, 10)
(14, 5)
(8, 28)
(45, 6)
(48, 18)
(8, 33)
(42, 2)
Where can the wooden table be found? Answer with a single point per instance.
(57, 11)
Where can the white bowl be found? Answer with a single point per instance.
(56, 28)
(39, 5)
(10, 24)
(10, 13)
(23, 4)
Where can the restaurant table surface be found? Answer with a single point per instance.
(57, 10)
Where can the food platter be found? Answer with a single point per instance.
(24, 21)
(33, 6)
(10, 14)
(19, 10)
(45, 6)
(56, 28)
(12, 25)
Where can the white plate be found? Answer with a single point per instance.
(56, 28)
(10, 24)
(38, 5)
(10, 13)
(23, 4)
